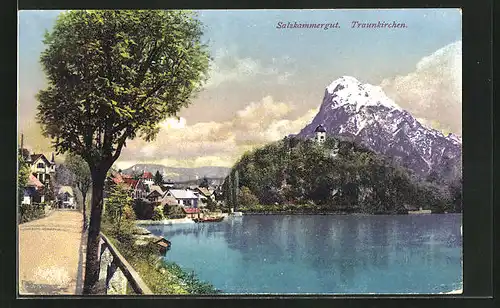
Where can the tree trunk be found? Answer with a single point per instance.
(92, 264)
(84, 196)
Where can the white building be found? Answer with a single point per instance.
(148, 178)
(41, 167)
(66, 197)
(33, 191)
(320, 134)
(184, 197)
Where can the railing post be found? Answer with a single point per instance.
(119, 262)
(102, 248)
(110, 272)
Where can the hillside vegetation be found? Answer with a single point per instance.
(297, 175)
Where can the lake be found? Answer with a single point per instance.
(334, 254)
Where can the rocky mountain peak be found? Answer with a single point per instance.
(365, 113)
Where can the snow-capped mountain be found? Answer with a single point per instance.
(365, 113)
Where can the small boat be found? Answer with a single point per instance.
(209, 219)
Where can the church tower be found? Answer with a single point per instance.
(320, 134)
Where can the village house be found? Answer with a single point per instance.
(168, 201)
(33, 192)
(206, 193)
(145, 189)
(184, 197)
(202, 200)
(66, 197)
(138, 188)
(168, 184)
(41, 167)
(191, 212)
(141, 190)
(148, 178)
(115, 177)
(155, 194)
(41, 171)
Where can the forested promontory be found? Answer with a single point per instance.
(337, 176)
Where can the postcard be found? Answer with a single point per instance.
(240, 152)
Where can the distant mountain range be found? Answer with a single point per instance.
(180, 174)
(364, 113)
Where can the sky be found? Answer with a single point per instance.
(267, 82)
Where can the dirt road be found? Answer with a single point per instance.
(52, 254)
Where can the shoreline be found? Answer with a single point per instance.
(165, 222)
(343, 214)
(168, 222)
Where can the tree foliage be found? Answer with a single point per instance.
(63, 176)
(80, 169)
(114, 75)
(158, 178)
(246, 198)
(339, 175)
(118, 211)
(23, 173)
(173, 212)
(158, 213)
(82, 179)
(204, 182)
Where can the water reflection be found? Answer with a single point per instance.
(322, 254)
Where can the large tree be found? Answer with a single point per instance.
(82, 179)
(114, 76)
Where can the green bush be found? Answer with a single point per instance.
(193, 284)
(118, 218)
(211, 205)
(29, 212)
(174, 212)
(158, 213)
(247, 198)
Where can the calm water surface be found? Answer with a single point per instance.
(322, 254)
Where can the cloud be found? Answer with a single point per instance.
(228, 67)
(173, 123)
(433, 91)
(217, 144)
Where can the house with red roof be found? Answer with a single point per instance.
(141, 190)
(117, 178)
(41, 171)
(148, 178)
(33, 192)
(191, 212)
